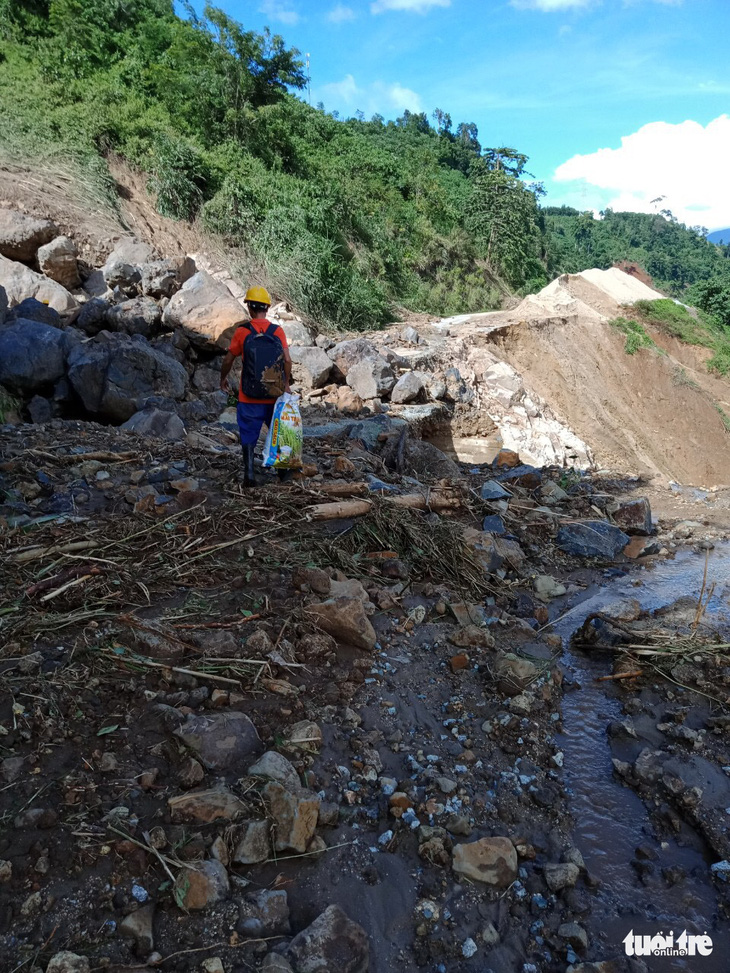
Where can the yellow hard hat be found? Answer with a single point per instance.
(259, 295)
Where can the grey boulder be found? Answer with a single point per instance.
(20, 282)
(371, 378)
(345, 354)
(57, 260)
(114, 374)
(312, 366)
(21, 235)
(206, 309)
(407, 388)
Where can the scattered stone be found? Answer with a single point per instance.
(203, 807)
(264, 913)
(66, 962)
(634, 516)
(221, 742)
(6, 871)
(514, 674)
(315, 579)
(304, 735)
(345, 620)
(295, 816)
(574, 934)
(202, 885)
(138, 926)
(489, 860)
(254, 845)
(156, 424)
(332, 944)
(491, 490)
(547, 587)
(274, 766)
(274, 963)
(561, 876)
(214, 964)
(190, 773)
(596, 538)
(408, 388)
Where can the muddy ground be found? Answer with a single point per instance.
(129, 613)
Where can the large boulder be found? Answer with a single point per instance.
(312, 366)
(206, 310)
(130, 250)
(156, 424)
(345, 354)
(32, 355)
(371, 378)
(57, 260)
(332, 944)
(633, 516)
(21, 235)
(122, 275)
(92, 316)
(113, 375)
(296, 332)
(139, 315)
(21, 282)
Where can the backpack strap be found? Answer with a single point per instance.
(271, 328)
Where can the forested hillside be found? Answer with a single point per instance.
(349, 218)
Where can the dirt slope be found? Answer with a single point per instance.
(635, 411)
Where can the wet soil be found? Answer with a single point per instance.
(420, 715)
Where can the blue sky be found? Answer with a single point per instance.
(616, 102)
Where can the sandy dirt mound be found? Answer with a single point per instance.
(636, 411)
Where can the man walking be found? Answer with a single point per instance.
(265, 373)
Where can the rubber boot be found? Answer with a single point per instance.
(248, 476)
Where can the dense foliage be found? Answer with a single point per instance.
(348, 218)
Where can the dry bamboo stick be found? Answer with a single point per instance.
(620, 675)
(36, 552)
(65, 587)
(358, 508)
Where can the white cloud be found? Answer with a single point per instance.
(684, 163)
(411, 6)
(377, 97)
(340, 14)
(279, 10)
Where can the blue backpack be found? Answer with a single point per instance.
(262, 374)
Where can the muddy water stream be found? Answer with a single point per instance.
(610, 819)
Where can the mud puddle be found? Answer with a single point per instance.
(611, 821)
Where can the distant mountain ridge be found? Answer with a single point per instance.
(719, 236)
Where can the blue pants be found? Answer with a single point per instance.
(251, 417)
